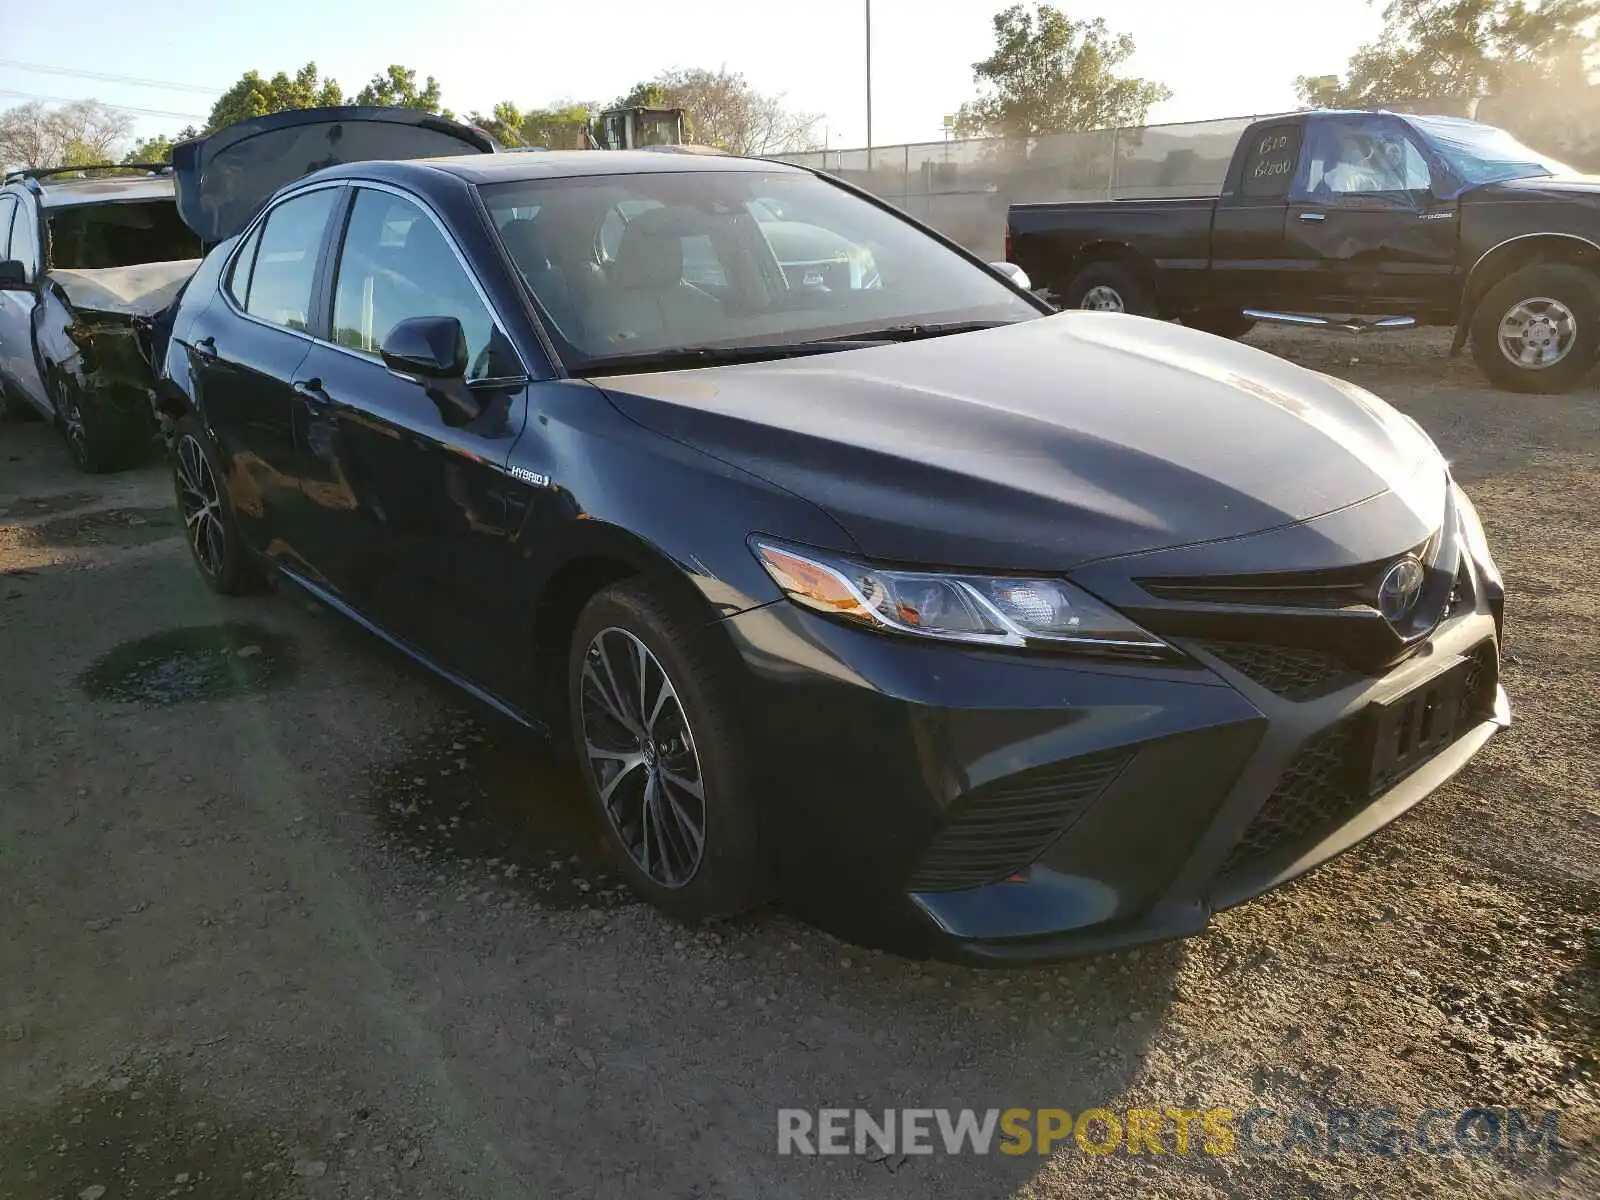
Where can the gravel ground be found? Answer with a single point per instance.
(282, 917)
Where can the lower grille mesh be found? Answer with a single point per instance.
(1294, 674)
(1004, 826)
(1319, 789)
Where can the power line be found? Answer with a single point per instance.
(133, 80)
(128, 108)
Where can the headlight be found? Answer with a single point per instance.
(980, 609)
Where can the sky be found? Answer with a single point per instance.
(1220, 57)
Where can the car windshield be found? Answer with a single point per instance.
(1480, 154)
(630, 267)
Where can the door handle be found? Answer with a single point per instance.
(1313, 216)
(206, 347)
(311, 389)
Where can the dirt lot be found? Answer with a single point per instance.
(283, 917)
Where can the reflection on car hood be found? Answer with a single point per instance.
(1046, 444)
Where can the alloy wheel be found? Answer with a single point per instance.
(72, 425)
(642, 758)
(1101, 298)
(1537, 333)
(201, 504)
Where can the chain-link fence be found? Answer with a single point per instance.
(962, 187)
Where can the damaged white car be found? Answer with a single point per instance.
(91, 260)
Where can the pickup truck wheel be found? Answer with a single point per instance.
(1228, 323)
(1539, 329)
(1110, 287)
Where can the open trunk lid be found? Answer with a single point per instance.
(224, 177)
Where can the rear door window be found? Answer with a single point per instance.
(1270, 162)
(8, 205)
(285, 269)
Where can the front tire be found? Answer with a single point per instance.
(209, 523)
(1538, 330)
(661, 747)
(98, 443)
(1110, 287)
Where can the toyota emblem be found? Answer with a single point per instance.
(1400, 589)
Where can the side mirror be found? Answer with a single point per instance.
(427, 347)
(13, 276)
(1015, 274)
(434, 351)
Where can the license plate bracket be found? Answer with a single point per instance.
(1405, 731)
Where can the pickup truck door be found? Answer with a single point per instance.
(1250, 265)
(1365, 233)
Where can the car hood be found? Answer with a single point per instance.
(1048, 443)
(1540, 187)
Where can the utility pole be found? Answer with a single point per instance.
(869, 76)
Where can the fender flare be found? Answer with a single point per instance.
(1471, 294)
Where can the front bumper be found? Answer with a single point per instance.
(997, 809)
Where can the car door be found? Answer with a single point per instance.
(424, 550)
(245, 351)
(1365, 233)
(1250, 265)
(17, 358)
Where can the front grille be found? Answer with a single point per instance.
(1320, 789)
(1004, 826)
(1482, 683)
(1290, 672)
(1326, 783)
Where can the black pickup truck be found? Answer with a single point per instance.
(1352, 220)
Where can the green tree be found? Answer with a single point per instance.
(504, 123)
(397, 87)
(649, 94)
(254, 96)
(556, 127)
(1459, 50)
(1051, 74)
(158, 149)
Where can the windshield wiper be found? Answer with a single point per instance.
(911, 332)
(694, 356)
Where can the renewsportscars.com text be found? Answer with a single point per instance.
(1216, 1131)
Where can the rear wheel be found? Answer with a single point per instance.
(213, 533)
(1224, 322)
(1538, 330)
(658, 733)
(1110, 287)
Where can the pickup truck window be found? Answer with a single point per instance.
(1362, 160)
(1269, 167)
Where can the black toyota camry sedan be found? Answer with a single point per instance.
(864, 576)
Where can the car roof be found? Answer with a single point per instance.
(551, 164)
(111, 189)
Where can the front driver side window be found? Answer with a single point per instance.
(25, 238)
(1363, 157)
(397, 264)
(286, 260)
